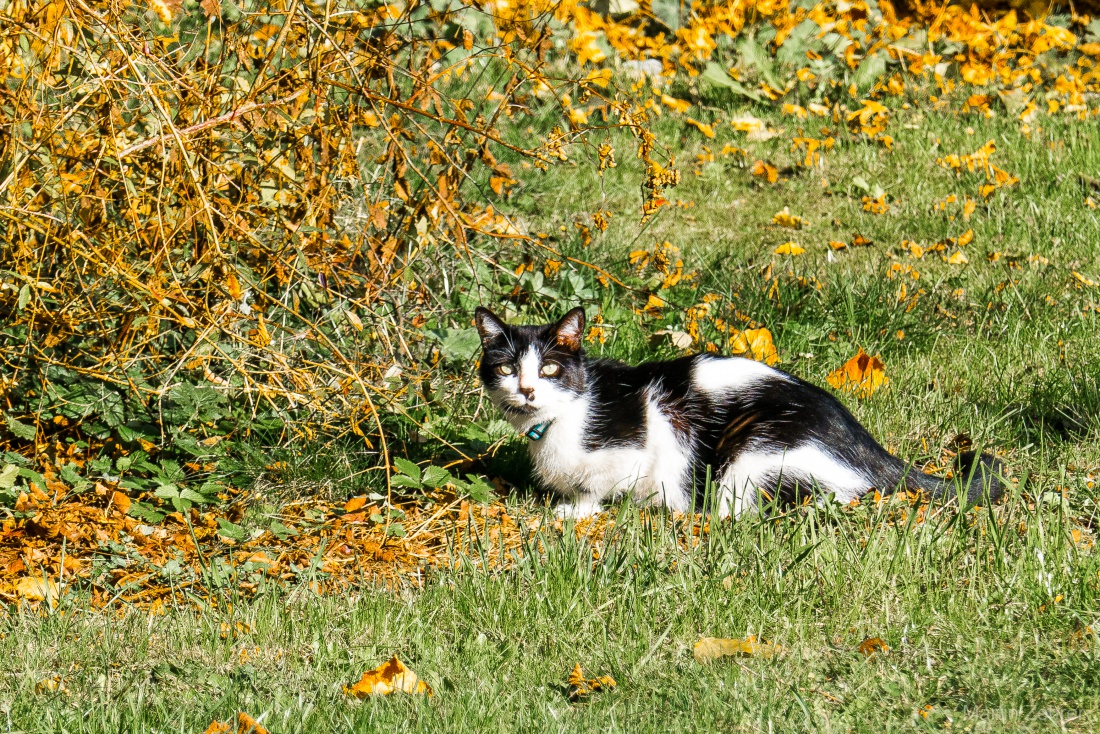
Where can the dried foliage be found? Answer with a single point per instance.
(211, 212)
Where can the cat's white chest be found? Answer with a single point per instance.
(657, 471)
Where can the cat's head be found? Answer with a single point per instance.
(532, 370)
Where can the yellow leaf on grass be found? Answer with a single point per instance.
(837, 244)
(747, 124)
(581, 687)
(710, 649)
(966, 237)
(784, 218)
(872, 645)
(760, 169)
(676, 105)
(958, 257)
(35, 588)
(702, 127)
(247, 725)
(756, 344)
(862, 375)
(1084, 280)
(56, 684)
(387, 678)
(790, 248)
(875, 205)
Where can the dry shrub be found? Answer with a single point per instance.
(210, 210)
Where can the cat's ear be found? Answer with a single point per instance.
(488, 325)
(570, 329)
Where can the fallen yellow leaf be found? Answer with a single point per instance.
(862, 374)
(958, 257)
(702, 127)
(747, 124)
(581, 687)
(756, 344)
(784, 218)
(760, 169)
(387, 678)
(676, 105)
(790, 248)
(710, 649)
(34, 588)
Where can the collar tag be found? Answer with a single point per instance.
(538, 431)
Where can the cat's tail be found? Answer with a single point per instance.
(977, 475)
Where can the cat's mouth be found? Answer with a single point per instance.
(523, 409)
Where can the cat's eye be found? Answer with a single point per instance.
(550, 369)
(505, 369)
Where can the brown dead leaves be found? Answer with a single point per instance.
(390, 677)
(862, 375)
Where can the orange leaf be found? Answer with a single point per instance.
(355, 504)
(754, 343)
(580, 687)
(388, 678)
(760, 169)
(247, 725)
(862, 374)
(121, 501)
(872, 645)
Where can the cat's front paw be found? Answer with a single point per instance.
(577, 510)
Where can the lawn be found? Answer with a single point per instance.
(988, 619)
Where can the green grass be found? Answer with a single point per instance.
(1007, 355)
(966, 609)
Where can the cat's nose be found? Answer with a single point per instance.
(527, 392)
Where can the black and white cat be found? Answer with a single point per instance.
(600, 428)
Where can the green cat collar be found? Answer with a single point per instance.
(537, 431)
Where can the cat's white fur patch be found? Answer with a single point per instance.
(809, 465)
(719, 375)
(655, 473)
